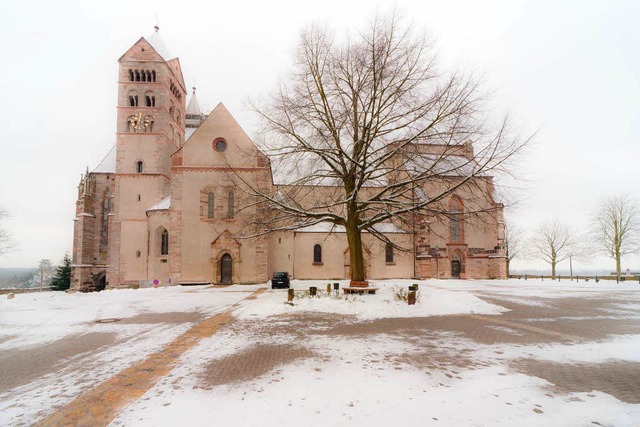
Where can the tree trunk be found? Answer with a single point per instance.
(356, 255)
(553, 269)
(618, 269)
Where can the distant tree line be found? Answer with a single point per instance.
(614, 232)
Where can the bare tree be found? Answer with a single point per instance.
(616, 229)
(5, 238)
(369, 130)
(513, 242)
(554, 242)
(45, 268)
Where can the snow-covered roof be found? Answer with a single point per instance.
(164, 204)
(158, 44)
(327, 227)
(108, 163)
(434, 164)
(193, 107)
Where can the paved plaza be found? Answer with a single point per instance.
(447, 347)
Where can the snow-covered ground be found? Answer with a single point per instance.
(375, 379)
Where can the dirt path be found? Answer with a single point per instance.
(100, 405)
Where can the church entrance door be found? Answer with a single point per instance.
(226, 269)
(455, 269)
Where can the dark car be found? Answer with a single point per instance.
(280, 279)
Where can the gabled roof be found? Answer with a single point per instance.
(108, 163)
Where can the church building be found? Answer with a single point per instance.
(162, 207)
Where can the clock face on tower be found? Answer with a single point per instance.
(141, 122)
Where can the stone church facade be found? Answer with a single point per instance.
(161, 206)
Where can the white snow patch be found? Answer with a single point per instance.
(431, 302)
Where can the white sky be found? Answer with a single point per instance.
(570, 68)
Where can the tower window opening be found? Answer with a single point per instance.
(133, 100)
(139, 166)
(131, 78)
(143, 76)
(137, 75)
(153, 76)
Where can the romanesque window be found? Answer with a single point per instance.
(317, 254)
(388, 253)
(106, 208)
(139, 166)
(153, 75)
(131, 76)
(151, 100)
(137, 73)
(210, 206)
(455, 221)
(230, 211)
(133, 100)
(164, 243)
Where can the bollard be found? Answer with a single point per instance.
(411, 299)
(328, 288)
(313, 291)
(597, 280)
(290, 295)
(525, 277)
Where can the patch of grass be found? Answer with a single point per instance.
(401, 293)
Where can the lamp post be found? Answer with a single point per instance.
(437, 263)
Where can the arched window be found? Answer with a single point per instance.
(164, 243)
(455, 221)
(106, 208)
(133, 100)
(139, 166)
(317, 254)
(148, 99)
(230, 211)
(131, 75)
(137, 75)
(153, 76)
(143, 76)
(210, 206)
(388, 253)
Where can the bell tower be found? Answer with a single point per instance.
(150, 127)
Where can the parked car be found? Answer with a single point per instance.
(280, 279)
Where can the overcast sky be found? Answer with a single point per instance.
(568, 68)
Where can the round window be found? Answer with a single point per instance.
(220, 145)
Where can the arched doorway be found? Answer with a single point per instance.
(100, 281)
(226, 269)
(455, 269)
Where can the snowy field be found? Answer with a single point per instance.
(377, 378)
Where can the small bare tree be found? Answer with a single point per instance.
(554, 242)
(513, 242)
(5, 238)
(369, 131)
(616, 229)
